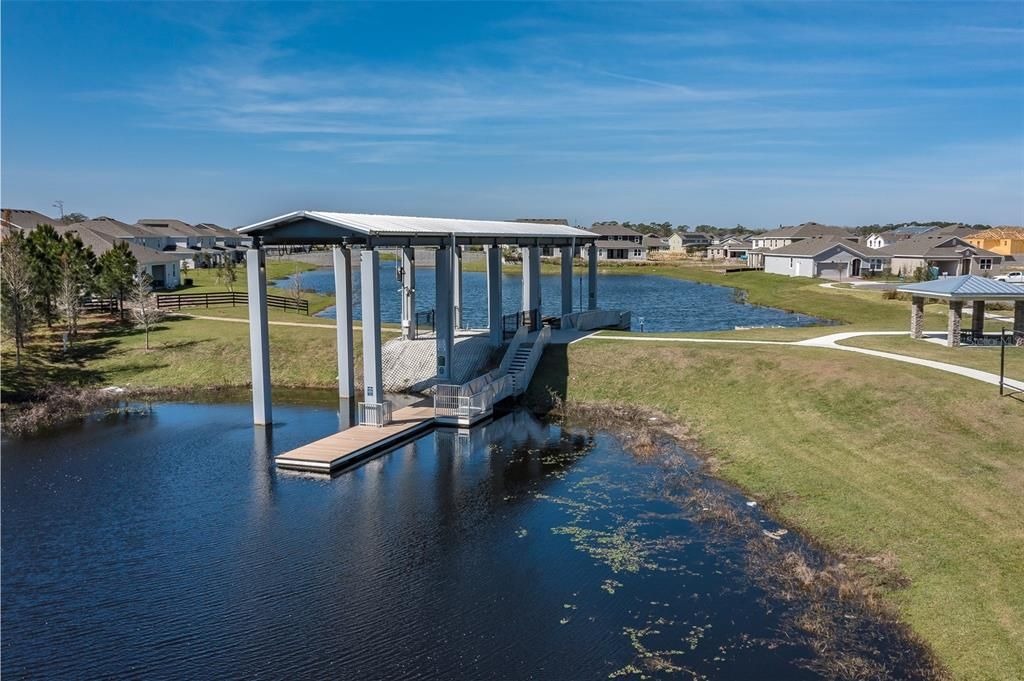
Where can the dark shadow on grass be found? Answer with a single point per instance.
(550, 380)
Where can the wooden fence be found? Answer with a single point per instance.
(177, 301)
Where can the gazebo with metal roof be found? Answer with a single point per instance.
(958, 290)
(448, 236)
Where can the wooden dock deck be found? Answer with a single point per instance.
(358, 443)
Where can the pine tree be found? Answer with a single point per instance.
(117, 273)
(44, 246)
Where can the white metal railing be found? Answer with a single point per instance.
(454, 403)
(521, 380)
(375, 413)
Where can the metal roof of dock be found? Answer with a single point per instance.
(965, 287)
(322, 227)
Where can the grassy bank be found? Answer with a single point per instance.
(205, 281)
(871, 458)
(184, 353)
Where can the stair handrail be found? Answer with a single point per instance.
(523, 378)
(513, 345)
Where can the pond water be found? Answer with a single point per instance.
(163, 544)
(666, 304)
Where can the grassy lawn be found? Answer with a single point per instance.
(205, 281)
(184, 353)
(985, 358)
(867, 457)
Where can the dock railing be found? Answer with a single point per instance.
(376, 414)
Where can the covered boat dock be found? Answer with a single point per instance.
(370, 233)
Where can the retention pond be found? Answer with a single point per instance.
(664, 303)
(161, 543)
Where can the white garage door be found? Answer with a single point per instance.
(831, 270)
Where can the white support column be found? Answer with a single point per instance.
(494, 295)
(343, 310)
(373, 375)
(531, 279)
(566, 280)
(457, 285)
(444, 314)
(592, 277)
(409, 293)
(259, 336)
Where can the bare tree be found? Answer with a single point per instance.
(297, 287)
(69, 298)
(227, 274)
(145, 313)
(16, 288)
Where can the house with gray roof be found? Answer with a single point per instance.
(826, 257)
(945, 254)
(199, 242)
(23, 220)
(616, 242)
(771, 240)
(163, 267)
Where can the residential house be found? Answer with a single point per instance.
(889, 237)
(228, 239)
(728, 247)
(654, 243)
(688, 241)
(200, 244)
(1006, 241)
(945, 253)
(163, 267)
(763, 242)
(827, 257)
(617, 242)
(22, 220)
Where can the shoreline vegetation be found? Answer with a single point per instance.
(830, 592)
(916, 469)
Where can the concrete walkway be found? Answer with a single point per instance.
(831, 342)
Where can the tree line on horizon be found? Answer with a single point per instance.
(667, 229)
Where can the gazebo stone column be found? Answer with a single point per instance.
(373, 375)
(444, 315)
(917, 317)
(494, 295)
(592, 277)
(343, 310)
(457, 286)
(566, 280)
(1018, 322)
(409, 293)
(956, 309)
(259, 336)
(978, 317)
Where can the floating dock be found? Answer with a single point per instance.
(358, 443)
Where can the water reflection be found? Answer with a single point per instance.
(167, 547)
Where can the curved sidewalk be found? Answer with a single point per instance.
(830, 341)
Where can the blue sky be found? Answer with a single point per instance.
(723, 113)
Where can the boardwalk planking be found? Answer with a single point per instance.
(357, 443)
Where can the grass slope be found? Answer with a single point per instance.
(865, 455)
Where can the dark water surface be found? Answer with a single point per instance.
(666, 304)
(164, 545)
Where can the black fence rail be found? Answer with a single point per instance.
(510, 323)
(96, 304)
(424, 319)
(178, 301)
